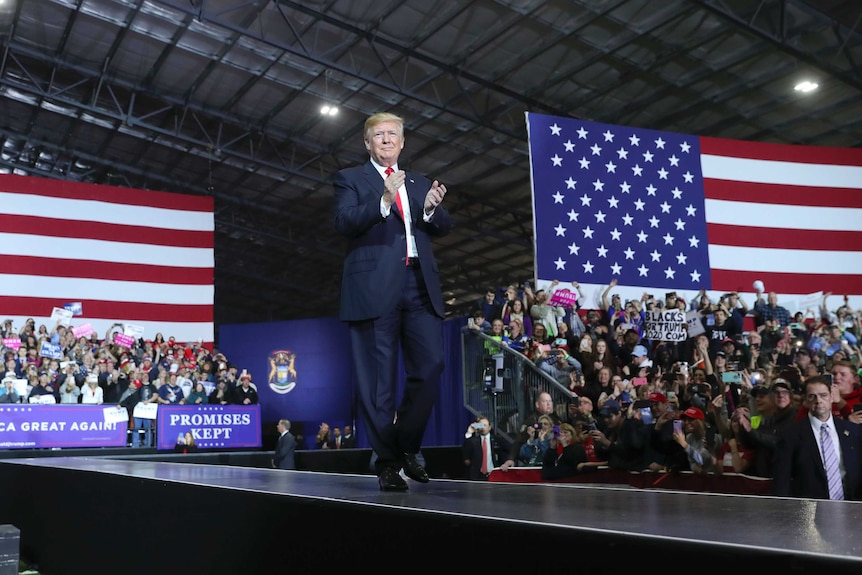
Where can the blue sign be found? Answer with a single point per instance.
(26, 426)
(51, 350)
(75, 307)
(213, 426)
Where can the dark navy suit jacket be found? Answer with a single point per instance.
(285, 450)
(798, 469)
(374, 266)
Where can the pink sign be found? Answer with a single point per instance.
(564, 298)
(12, 342)
(83, 330)
(124, 340)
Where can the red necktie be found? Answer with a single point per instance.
(388, 172)
(484, 456)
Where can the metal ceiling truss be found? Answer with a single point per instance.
(268, 180)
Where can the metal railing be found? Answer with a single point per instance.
(502, 384)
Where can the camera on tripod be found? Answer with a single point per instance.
(494, 374)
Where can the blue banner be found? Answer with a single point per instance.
(213, 426)
(302, 370)
(44, 426)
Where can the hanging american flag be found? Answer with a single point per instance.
(118, 255)
(662, 211)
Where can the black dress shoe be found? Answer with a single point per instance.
(390, 480)
(413, 470)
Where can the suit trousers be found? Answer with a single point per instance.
(413, 329)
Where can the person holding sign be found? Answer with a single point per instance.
(43, 387)
(542, 311)
(148, 401)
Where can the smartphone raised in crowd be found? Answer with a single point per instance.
(646, 415)
(677, 426)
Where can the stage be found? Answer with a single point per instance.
(85, 515)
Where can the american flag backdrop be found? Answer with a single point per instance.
(661, 211)
(126, 256)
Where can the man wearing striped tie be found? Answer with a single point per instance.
(819, 457)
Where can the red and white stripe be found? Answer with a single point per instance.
(790, 216)
(131, 256)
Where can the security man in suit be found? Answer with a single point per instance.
(391, 297)
(285, 448)
(812, 451)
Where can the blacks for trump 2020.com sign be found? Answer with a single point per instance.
(666, 325)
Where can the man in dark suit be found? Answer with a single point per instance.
(479, 449)
(285, 448)
(390, 295)
(348, 440)
(802, 455)
(336, 441)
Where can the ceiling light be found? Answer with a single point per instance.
(328, 110)
(805, 86)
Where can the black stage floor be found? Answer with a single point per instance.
(193, 518)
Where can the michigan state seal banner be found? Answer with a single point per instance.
(302, 369)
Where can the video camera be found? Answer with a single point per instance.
(494, 373)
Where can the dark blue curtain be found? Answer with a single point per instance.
(324, 389)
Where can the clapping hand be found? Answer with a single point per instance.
(434, 197)
(390, 186)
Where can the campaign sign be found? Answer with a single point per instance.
(83, 330)
(665, 325)
(146, 410)
(695, 326)
(213, 426)
(24, 426)
(564, 298)
(12, 342)
(116, 414)
(76, 307)
(61, 316)
(51, 350)
(810, 302)
(124, 340)
(136, 331)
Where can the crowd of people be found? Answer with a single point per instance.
(719, 401)
(91, 370)
(335, 437)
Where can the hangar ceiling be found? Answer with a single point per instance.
(223, 98)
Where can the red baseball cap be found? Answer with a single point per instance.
(693, 413)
